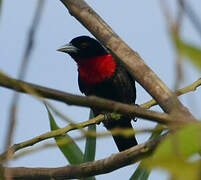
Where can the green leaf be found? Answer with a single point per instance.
(66, 144)
(90, 146)
(190, 51)
(142, 173)
(174, 152)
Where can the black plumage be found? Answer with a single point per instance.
(120, 86)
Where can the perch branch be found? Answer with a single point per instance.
(142, 73)
(90, 101)
(96, 120)
(83, 170)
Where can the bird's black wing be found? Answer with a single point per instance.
(124, 85)
(120, 87)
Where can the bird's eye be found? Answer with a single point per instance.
(84, 45)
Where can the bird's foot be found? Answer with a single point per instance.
(107, 119)
(135, 119)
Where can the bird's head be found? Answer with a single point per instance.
(83, 47)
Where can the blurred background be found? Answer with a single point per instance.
(141, 24)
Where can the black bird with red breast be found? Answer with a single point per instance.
(100, 74)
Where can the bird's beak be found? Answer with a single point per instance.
(68, 48)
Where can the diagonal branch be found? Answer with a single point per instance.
(191, 13)
(142, 73)
(103, 166)
(187, 89)
(96, 120)
(23, 69)
(49, 135)
(90, 101)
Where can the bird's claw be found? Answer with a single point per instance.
(107, 119)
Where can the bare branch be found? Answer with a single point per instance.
(118, 131)
(103, 166)
(50, 134)
(191, 14)
(187, 89)
(142, 73)
(90, 101)
(96, 120)
(22, 71)
(174, 26)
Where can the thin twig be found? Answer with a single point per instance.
(23, 68)
(174, 28)
(187, 89)
(122, 132)
(191, 14)
(48, 135)
(166, 11)
(61, 115)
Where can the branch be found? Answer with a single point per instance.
(103, 166)
(190, 12)
(90, 101)
(142, 73)
(96, 120)
(187, 89)
(49, 135)
(23, 69)
(118, 131)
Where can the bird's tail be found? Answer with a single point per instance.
(122, 142)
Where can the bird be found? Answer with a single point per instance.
(102, 75)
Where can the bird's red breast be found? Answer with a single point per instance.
(94, 70)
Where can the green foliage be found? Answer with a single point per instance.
(142, 173)
(174, 153)
(66, 144)
(70, 149)
(90, 146)
(191, 52)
